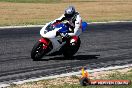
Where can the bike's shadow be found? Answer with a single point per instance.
(76, 57)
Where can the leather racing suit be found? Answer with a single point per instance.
(75, 24)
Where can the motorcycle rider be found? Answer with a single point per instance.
(74, 22)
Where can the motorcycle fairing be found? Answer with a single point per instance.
(63, 28)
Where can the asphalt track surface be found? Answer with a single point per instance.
(102, 45)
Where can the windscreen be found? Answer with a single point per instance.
(50, 28)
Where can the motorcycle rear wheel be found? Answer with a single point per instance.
(69, 50)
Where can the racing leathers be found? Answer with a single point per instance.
(74, 23)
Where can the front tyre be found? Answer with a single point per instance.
(38, 51)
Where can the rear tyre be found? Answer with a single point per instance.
(69, 50)
(38, 51)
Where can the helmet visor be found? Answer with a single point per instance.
(68, 15)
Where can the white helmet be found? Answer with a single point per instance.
(69, 12)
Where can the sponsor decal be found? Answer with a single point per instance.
(85, 80)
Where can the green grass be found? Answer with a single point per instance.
(78, 86)
(116, 75)
(44, 83)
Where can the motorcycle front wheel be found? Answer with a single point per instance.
(38, 51)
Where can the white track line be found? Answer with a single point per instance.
(4, 85)
(110, 22)
(29, 26)
(67, 74)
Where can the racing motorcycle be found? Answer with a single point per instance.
(53, 41)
